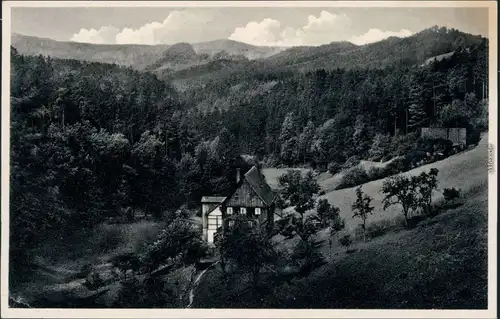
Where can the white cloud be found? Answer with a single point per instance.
(188, 25)
(103, 35)
(177, 27)
(265, 32)
(374, 35)
(325, 28)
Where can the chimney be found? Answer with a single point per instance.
(238, 175)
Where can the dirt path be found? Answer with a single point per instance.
(196, 283)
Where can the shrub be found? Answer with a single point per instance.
(351, 162)
(109, 237)
(307, 255)
(375, 173)
(402, 144)
(481, 121)
(473, 135)
(435, 145)
(376, 229)
(380, 147)
(334, 168)
(179, 242)
(93, 281)
(427, 183)
(451, 194)
(328, 215)
(345, 240)
(415, 158)
(355, 176)
(398, 165)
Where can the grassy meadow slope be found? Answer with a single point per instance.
(467, 170)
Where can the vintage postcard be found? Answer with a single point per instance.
(249, 159)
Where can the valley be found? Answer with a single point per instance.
(113, 148)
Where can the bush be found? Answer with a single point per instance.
(480, 122)
(451, 194)
(435, 145)
(345, 240)
(109, 237)
(179, 242)
(351, 162)
(375, 173)
(93, 281)
(328, 215)
(334, 168)
(402, 144)
(380, 147)
(306, 254)
(355, 176)
(415, 158)
(380, 228)
(398, 165)
(473, 135)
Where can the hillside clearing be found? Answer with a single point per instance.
(467, 170)
(272, 174)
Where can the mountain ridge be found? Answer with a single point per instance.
(223, 57)
(139, 56)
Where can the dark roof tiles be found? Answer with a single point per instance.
(259, 185)
(212, 199)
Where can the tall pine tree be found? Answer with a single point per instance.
(416, 108)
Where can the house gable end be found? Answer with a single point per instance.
(244, 196)
(258, 183)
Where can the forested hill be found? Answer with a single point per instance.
(391, 52)
(90, 139)
(136, 56)
(257, 102)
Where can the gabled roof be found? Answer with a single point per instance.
(212, 199)
(258, 182)
(212, 208)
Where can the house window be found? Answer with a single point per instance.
(229, 210)
(257, 211)
(231, 223)
(214, 222)
(251, 223)
(243, 211)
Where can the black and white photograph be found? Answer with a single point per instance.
(250, 156)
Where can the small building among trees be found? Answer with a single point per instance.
(458, 136)
(252, 198)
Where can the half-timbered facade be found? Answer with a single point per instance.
(211, 216)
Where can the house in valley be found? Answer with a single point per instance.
(252, 197)
(211, 216)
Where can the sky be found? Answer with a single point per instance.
(257, 26)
